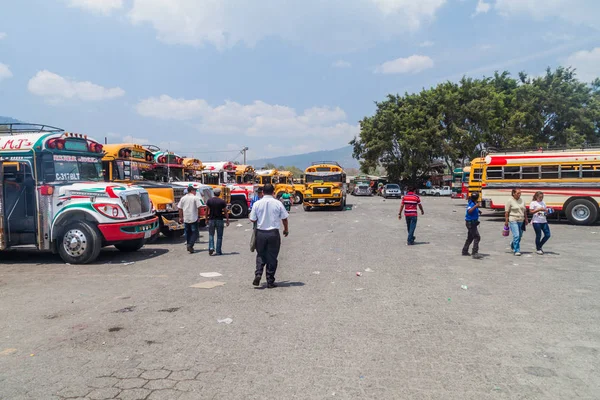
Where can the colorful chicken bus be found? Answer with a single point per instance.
(286, 181)
(192, 169)
(244, 175)
(219, 174)
(281, 181)
(476, 175)
(570, 181)
(132, 163)
(52, 196)
(457, 177)
(325, 186)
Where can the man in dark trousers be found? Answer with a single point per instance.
(268, 213)
(189, 208)
(217, 210)
(410, 202)
(472, 222)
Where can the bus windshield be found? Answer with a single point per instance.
(333, 178)
(73, 168)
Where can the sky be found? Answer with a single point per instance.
(206, 78)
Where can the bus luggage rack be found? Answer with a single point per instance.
(540, 149)
(19, 128)
(326, 162)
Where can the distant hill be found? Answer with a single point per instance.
(8, 120)
(343, 156)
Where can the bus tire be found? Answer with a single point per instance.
(80, 242)
(582, 212)
(130, 246)
(239, 209)
(299, 198)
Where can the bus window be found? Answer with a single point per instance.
(549, 171)
(531, 173)
(512, 173)
(569, 171)
(590, 171)
(477, 173)
(494, 173)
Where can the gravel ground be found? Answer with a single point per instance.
(421, 322)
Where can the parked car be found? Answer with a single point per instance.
(436, 191)
(391, 190)
(362, 190)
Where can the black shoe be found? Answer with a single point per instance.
(210, 252)
(219, 254)
(271, 285)
(190, 249)
(466, 253)
(256, 281)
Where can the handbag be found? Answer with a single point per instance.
(253, 238)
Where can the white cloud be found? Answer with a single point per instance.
(587, 64)
(136, 140)
(5, 72)
(257, 119)
(482, 7)
(574, 11)
(412, 64)
(56, 88)
(3, 35)
(226, 23)
(554, 37)
(341, 64)
(98, 6)
(485, 47)
(427, 43)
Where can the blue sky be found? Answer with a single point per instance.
(207, 77)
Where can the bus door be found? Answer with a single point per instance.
(18, 204)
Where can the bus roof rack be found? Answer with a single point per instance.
(326, 162)
(540, 149)
(20, 128)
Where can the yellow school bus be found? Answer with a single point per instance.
(281, 181)
(192, 169)
(244, 175)
(132, 163)
(569, 179)
(476, 175)
(325, 186)
(287, 178)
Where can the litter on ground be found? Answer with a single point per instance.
(225, 321)
(210, 274)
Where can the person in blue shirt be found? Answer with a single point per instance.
(472, 222)
(257, 196)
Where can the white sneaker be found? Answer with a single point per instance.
(517, 254)
(540, 252)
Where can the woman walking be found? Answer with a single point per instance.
(540, 223)
(515, 217)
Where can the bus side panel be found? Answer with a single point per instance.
(2, 237)
(44, 219)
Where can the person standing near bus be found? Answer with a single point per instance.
(189, 209)
(472, 223)
(217, 210)
(538, 220)
(515, 217)
(409, 204)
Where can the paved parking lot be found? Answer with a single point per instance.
(421, 322)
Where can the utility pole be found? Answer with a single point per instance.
(244, 150)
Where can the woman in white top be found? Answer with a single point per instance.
(540, 223)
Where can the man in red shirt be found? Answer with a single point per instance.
(410, 201)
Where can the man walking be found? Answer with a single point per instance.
(472, 222)
(410, 201)
(189, 209)
(257, 196)
(268, 213)
(217, 209)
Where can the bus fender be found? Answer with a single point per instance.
(69, 216)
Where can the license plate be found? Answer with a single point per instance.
(321, 201)
(147, 234)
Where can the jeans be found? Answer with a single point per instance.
(540, 228)
(268, 244)
(218, 225)
(516, 227)
(411, 225)
(191, 233)
(472, 237)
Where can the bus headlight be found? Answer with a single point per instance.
(161, 207)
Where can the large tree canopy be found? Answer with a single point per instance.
(454, 121)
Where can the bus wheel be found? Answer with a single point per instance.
(238, 209)
(298, 199)
(582, 212)
(130, 246)
(79, 243)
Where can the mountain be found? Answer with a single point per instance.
(343, 156)
(8, 120)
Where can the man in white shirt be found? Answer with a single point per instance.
(268, 213)
(189, 210)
